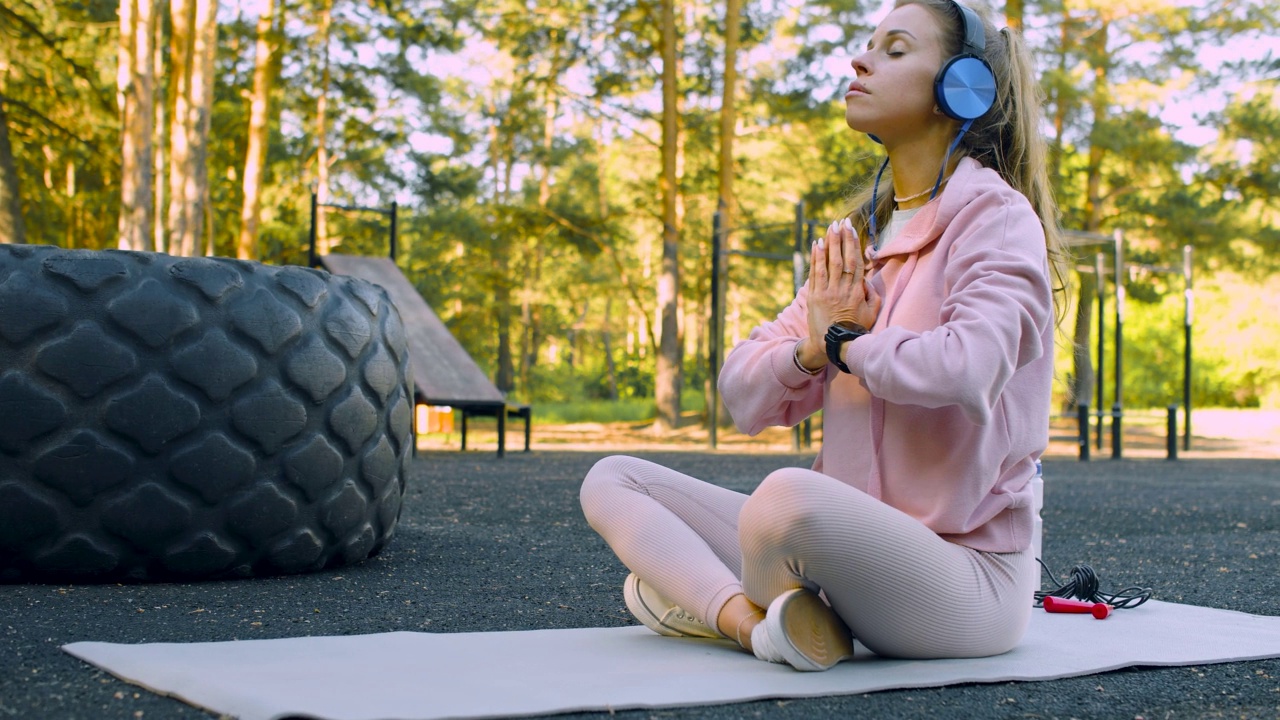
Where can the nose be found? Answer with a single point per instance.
(859, 64)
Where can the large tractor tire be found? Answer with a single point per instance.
(167, 418)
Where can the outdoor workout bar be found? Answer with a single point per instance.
(803, 232)
(313, 257)
(1120, 269)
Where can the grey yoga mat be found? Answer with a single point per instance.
(407, 675)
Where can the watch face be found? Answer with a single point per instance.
(839, 333)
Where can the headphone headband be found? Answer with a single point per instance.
(965, 87)
(973, 36)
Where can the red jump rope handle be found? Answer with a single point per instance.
(1063, 605)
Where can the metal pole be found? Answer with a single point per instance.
(1100, 401)
(713, 340)
(1171, 434)
(1117, 433)
(393, 230)
(1186, 347)
(1117, 406)
(312, 260)
(1082, 421)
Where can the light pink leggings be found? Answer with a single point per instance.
(903, 591)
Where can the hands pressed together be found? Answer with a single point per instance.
(837, 289)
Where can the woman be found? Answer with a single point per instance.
(929, 349)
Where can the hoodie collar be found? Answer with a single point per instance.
(927, 224)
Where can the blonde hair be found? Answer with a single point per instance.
(1006, 139)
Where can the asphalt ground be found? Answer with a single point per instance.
(486, 544)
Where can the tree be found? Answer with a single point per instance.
(728, 107)
(182, 23)
(200, 214)
(1118, 163)
(668, 380)
(137, 112)
(58, 88)
(322, 125)
(12, 228)
(264, 65)
(725, 205)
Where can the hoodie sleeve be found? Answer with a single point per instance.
(997, 308)
(760, 383)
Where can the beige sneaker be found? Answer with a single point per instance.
(660, 614)
(804, 631)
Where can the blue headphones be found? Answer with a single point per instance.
(965, 87)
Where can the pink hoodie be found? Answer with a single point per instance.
(947, 408)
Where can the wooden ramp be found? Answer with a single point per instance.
(443, 372)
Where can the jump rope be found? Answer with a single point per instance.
(1080, 594)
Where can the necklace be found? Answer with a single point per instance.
(922, 193)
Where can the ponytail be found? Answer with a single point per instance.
(1009, 140)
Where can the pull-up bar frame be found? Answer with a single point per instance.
(392, 212)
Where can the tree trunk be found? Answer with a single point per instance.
(259, 112)
(1082, 387)
(1060, 108)
(182, 21)
(204, 48)
(12, 229)
(161, 102)
(322, 131)
(72, 209)
(606, 338)
(137, 113)
(728, 108)
(727, 203)
(1083, 375)
(531, 341)
(668, 379)
(504, 378)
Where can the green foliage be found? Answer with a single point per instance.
(59, 96)
(540, 252)
(634, 410)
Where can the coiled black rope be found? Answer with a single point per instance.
(1083, 585)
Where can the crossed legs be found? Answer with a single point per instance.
(723, 556)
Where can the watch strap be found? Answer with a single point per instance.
(837, 336)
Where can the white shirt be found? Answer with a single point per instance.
(896, 223)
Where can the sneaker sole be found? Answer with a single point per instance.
(808, 633)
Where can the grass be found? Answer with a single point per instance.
(632, 410)
(602, 411)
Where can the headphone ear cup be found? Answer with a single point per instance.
(965, 88)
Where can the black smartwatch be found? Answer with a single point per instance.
(837, 336)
